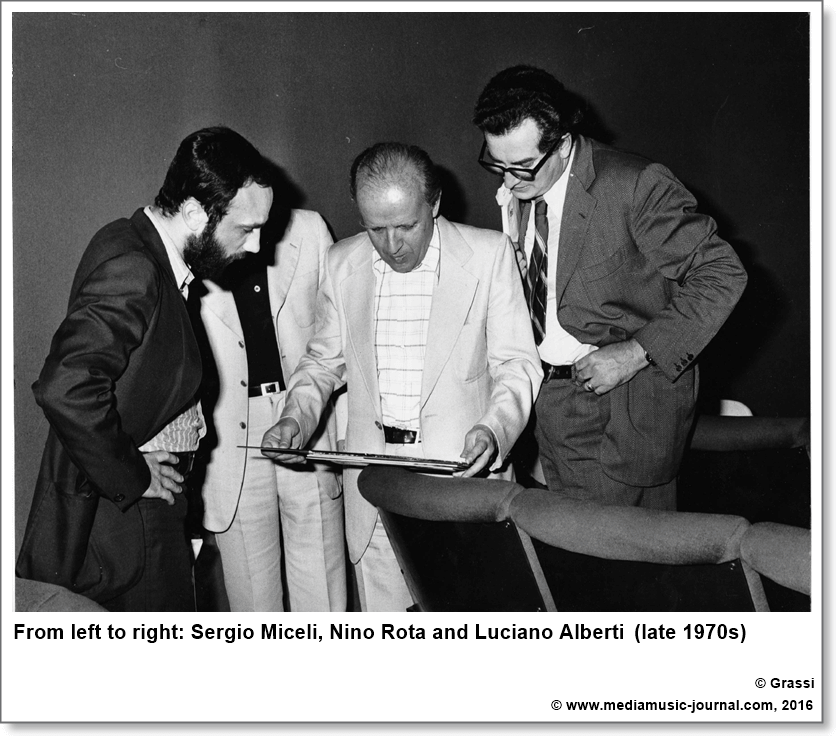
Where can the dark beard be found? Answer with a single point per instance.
(204, 255)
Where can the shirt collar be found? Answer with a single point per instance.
(182, 274)
(557, 193)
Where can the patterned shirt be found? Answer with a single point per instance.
(402, 305)
(184, 432)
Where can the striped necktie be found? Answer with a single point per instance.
(534, 276)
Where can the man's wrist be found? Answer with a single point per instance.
(645, 358)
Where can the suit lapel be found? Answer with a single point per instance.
(280, 275)
(221, 303)
(452, 299)
(189, 371)
(357, 293)
(577, 214)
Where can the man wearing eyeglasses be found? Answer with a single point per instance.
(626, 283)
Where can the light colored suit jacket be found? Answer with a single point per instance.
(480, 367)
(293, 281)
(636, 260)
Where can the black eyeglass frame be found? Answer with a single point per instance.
(515, 171)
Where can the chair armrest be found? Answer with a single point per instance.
(780, 552)
(436, 497)
(33, 595)
(728, 434)
(628, 533)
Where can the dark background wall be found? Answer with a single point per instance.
(101, 102)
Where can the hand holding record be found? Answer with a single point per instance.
(285, 433)
(479, 450)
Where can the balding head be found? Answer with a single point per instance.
(385, 165)
(397, 207)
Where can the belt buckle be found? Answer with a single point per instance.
(551, 371)
(403, 436)
(269, 388)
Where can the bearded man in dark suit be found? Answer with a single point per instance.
(626, 284)
(119, 384)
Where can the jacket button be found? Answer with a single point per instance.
(119, 497)
(690, 357)
(240, 343)
(378, 425)
(243, 425)
(243, 383)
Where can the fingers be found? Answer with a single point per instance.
(478, 444)
(165, 480)
(169, 473)
(590, 387)
(478, 450)
(277, 436)
(168, 480)
(582, 371)
(587, 375)
(285, 433)
(583, 379)
(162, 473)
(161, 456)
(157, 491)
(172, 486)
(478, 464)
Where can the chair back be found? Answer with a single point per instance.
(613, 558)
(759, 468)
(33, 595)
(467, 544)
(457, 548)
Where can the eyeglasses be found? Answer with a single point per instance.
(516, 172)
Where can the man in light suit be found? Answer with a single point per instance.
(426, 323)
(626, 284)
(258, 322)
(118, 386)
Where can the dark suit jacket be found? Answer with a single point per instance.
(122, 364)
(636, 260)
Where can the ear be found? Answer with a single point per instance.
(565, 147)
(194, 215)
(436, 206)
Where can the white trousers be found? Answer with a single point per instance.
(276, 499)
(380, 583)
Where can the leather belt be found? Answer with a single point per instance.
(274, 387)
(185, 462)
(398, 436)
(555, 371)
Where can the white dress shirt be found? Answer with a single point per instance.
(184, 432)
(402, 304)
(558, 346)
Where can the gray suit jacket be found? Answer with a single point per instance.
(636, 260)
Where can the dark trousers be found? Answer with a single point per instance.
(570, 424)
(166, 583)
